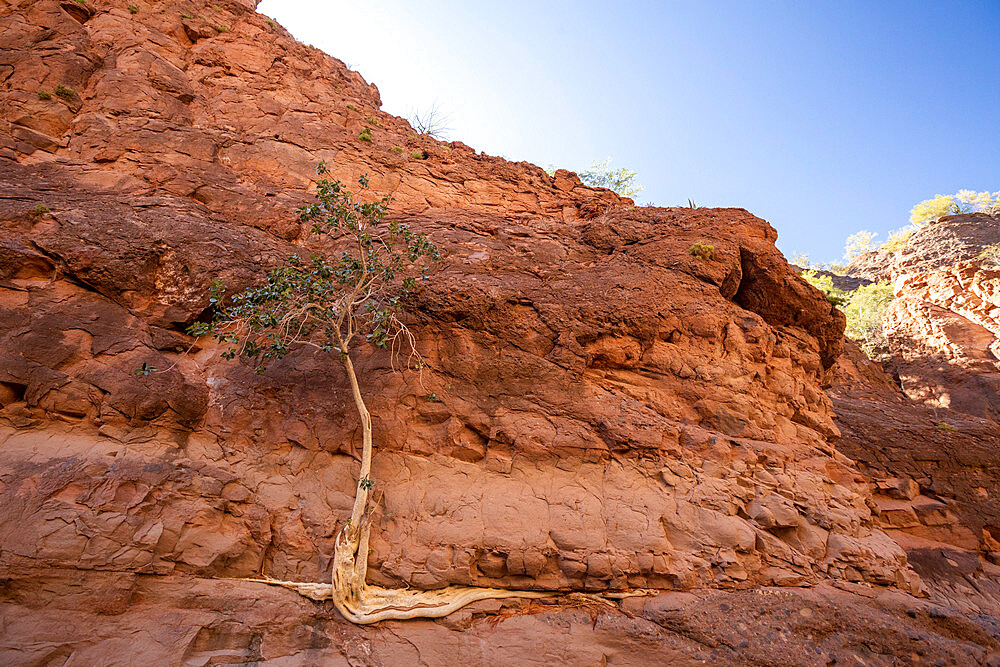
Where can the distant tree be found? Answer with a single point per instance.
(620, 181)
(963, 201)
(864, 317)
(858, 244)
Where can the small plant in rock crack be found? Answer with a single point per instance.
(367, 484)
(221, 28)
(39, 211)
(396, 149)
(352, 107)
(65, 92)
(133, 9)
(187, 15)
(418, 155)
(372, 121)
(42, 95)
(432, 397)
(941, 426)
(702, 250)
(366, 134)
(145, 369)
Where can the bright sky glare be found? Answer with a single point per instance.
(822, 117)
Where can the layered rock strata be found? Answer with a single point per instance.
(601, 409)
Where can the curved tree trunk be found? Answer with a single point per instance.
(353, 597)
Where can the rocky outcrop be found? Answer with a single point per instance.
(945, 242)
(943, 327)
(944, 332)
(601, 409)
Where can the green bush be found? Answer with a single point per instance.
(396, 149)
(702, 250)
(864, 317)
(42, 95)
(824, 284)
(133, 9)
(366, 134)
(990, 256)
(858, 244)
(418, 155)
(620, 181)
(899, 238)
(65, 92)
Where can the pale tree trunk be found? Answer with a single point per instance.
(353, 597)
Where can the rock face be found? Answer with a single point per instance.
(928, 439)
(943, 243)
(944, 324)
(601, 409)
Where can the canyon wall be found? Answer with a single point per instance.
(601, 409)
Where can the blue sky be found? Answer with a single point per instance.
(824, 118)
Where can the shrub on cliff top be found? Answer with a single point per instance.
(963, 201)
(824, 284)
(702, 250)
(621, 181)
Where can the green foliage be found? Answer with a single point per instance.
(371, 120)
(990, 256)
(367, 483)
(186, 15)
(900, 237)
(396, 149)
(145, 369)
(702, 250)
(932, 209)
(432, 397)
(621, 181)
(963, 201)
(221, 28)
(133, 9)
(418, 155)
(824, 284)
(352, 107)
(942, 426)
(270, 23)
(366, 134)
(42, 95)
(322, 302)
(65, 92)
(864, 317)
(801, 260)
(858, 244)
(39, 211)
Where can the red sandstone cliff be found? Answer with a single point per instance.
(609, 411)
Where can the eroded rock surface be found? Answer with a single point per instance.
(600, 410)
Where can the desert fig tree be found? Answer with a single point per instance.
(353, 294)
(332, 304)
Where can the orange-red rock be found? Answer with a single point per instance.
(601, 409)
